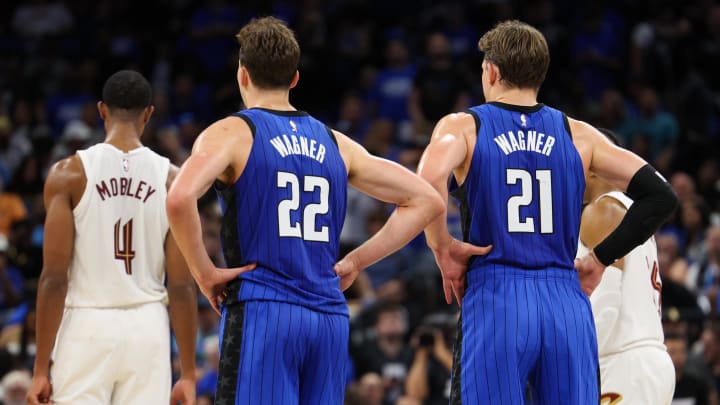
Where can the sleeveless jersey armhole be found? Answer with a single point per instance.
(567, 125)
(248, 121)
(81, 208)
(165, 167)
(332, 136)
(476, 118)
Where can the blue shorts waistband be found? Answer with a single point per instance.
(494, 271)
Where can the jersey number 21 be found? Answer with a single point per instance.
(526, 197)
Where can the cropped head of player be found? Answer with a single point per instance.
(126, 97)
(516, 57)
(269, 57)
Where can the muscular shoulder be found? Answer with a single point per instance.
(460, 123)
(599, 219)
(583, 134)
(227, 131)
(581, 129)
(348, 148)
(229, 139)
(67, 176)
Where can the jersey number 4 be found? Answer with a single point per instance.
(545, 211)
(308, 229)
(123, 245)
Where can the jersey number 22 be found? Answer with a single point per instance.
(307, 230)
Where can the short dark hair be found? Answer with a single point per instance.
(127, 90)
(269, 52)
(519, 51)
(610, 135)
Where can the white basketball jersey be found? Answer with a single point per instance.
(626, 304)
(120, 229)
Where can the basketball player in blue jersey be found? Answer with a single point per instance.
(520, 168)
(282, 177)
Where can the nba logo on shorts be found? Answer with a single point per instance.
(126, 165)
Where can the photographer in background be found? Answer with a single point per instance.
(428, 380)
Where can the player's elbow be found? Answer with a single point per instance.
(53, 281)
(177, 203)
(435, 205)
(182, 291)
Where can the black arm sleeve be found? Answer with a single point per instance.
(654, 201)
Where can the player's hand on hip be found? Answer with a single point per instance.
(590, 271)
(214, 286)
(183, 392)
(348, 270)
(452, 261)
(40, 391)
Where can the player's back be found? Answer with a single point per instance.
(628, 300)
(286, 210)
(120, 229)
(524, 188)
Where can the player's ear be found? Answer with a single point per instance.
(102, 110)
(243, 77)
(296, 78)
(493, 73)
(148, 113)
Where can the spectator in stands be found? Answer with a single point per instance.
(387, 355)
(40, 18)
(391, 89)
(695, 218)
(371, 389)
(704, 362)
(428, 380)
(14, 147)
(15, 387)
(11, 283)
(658, 126)
(597, 51)
(707, 270)
(439, 88)
(688, 386)
(209, 375)
(12, 209)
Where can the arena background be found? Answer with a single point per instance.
(382, 72)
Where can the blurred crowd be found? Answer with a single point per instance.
(383, 72)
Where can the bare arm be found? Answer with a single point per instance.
(64, 185)
(220, 152)
(654, 199)
(10, 293)
(614, 164)
(212, 158)
(416, 383)
(599, 219)
(448, 152)
(417, 205)
(183, 300)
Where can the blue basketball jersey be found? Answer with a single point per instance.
(286, 211)
(524, 187)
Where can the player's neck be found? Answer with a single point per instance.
(124, 136)
(514, 96)
(270, 99)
